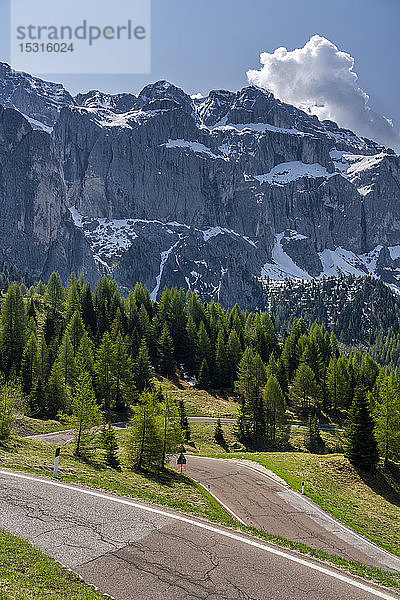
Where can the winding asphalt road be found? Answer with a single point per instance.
(135, 551)
(62, 437)
(261, 499)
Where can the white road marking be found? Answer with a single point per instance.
(228, 510)
(228, 534)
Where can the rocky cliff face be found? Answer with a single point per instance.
(36, 231)
(212, 194)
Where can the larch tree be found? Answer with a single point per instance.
(165, 348)
(172, 432)
(72, 302)
(275, 408)
(11, 404)
(361, 446)
(55, 293)
(144, 442)
(66, 360)
(142, 370)
(85, 412)
(305, 385)
(251, 379)
(387, 417)
(13, 330)
(75, 330)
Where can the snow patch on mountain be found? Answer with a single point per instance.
(364, 190)
(194, 146)
(334, 262)
(283, 266)
(352, 166)
(344, 262)
(256, 128)
(108, 118)
(394, 252)
(164, 258)
(360, 163)
(214, 231)
(38, 125)
(108, 238)
(290, 171)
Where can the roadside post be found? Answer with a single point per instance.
(302, 487)
(199, 450)
(56, 461)
(181, 461)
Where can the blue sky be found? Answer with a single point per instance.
(206, 44)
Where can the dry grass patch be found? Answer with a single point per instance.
(200, 403)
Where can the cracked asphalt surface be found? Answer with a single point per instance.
(265, 503)
(135, 551)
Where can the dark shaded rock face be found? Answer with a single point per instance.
(211, 194)
(37, 233)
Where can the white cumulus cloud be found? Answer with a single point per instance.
(319, 78)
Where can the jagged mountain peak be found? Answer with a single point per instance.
(163, 90)
(37, 99)
(119, 103)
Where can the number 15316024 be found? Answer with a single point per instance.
(48, 47)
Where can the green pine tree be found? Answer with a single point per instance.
(56, 393)
(11, 405)
(234, 354)
(110, 445)
(29, 365)
(305, 386)
(66, 360)
(165, 345)
(72, 302)
(314, 441)
(251, 379)
(122, 377)
(144, 442)
(387, 417)
(13, 330)
(219, 435)
(361, 446)
(204, 375)
(85, 412)
(172, 432)
(222, 371)
(75, 330)
(184, 423)
(55, 294)
(142, 370)
(103, 373)
(275, 409)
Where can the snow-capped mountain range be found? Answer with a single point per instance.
(213, 194)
